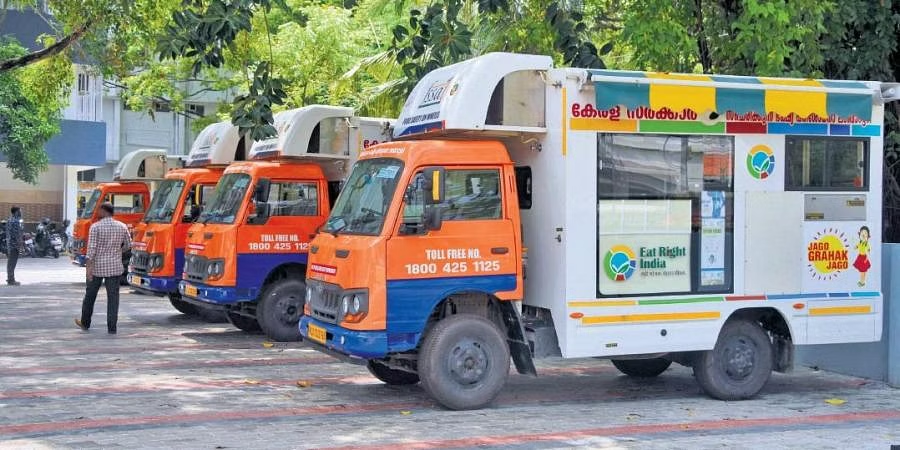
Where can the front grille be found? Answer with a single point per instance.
(195, 267)
(140, 261)
(325, 302)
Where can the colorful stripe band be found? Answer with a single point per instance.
(729, 298)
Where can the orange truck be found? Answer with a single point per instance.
(129, 194)
(247, 254)
(157, 259)
(710, 221)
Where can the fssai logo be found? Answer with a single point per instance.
(619, 263)
(760, 162)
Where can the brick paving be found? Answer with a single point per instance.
(167, 381)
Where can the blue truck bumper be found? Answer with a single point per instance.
(350, 343)
(213, 295)
(153, 285)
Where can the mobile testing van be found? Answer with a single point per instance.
(157, 260)
(129, 194)
(712, 221)
(247, 254)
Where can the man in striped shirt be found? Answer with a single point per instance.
(107, 241)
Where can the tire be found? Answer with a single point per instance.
(464, 362)
(390, 376)
(280, 308)
(642, 368)
(182, 306)
(243, 323)
(55, 253)
(739, 365)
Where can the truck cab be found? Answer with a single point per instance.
(247, 254)
(129, 194)
(157, 260)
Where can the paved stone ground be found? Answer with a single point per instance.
(166, 381)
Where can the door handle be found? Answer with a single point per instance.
(499, 250)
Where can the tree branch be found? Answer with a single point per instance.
(52, 50)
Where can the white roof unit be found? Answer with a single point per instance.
(217, 144)
(311, 131)
(142, 164)
(499, 93)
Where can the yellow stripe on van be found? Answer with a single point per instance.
(800, 103)
(657, 317)
(586, 124)
(840, 310)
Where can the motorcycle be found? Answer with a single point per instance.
(28, 245)
(46, 241)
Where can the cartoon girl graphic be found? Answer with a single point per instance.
(862, 263)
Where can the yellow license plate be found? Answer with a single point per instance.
(190, 291)
(317, 334)
(136, 280)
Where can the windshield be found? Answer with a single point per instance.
(165, 200)
(363, 203)
(91, 205)
(226, 199)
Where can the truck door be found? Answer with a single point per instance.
(474, 249)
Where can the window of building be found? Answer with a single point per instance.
(293, 199)
(829, 164)
(665, 214)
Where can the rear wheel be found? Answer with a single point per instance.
(244, 323)
(280, 308)
(464, 362)
(391, 376)
(739, 365)
(642, 368)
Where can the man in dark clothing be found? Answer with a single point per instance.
(13, 239)
(107, 241)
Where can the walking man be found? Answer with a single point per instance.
(107, 241)
(13, 240)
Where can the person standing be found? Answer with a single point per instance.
(13, 240)
(108, 239)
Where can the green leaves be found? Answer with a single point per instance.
(31, 101)
(252, 112)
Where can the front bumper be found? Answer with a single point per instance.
(214, 295)
(152, 284)
(362, 345)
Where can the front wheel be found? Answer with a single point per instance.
(739, 365)
(391, 376)
(182, 306)
(464, 362)
(55, 253)
(243, 323)
(642, 368)
(280, 308)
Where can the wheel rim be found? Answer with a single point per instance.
(468, 362)
(738, 358)
(290, 308)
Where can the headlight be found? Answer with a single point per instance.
(215, 268)
(354, 306)
(309, 293)
(154, 262)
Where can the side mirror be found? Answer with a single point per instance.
(435, 185)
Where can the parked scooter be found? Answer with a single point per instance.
(46, 241)
(28, 245)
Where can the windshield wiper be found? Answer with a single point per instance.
(337, 230)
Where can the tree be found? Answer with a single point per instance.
(449, 31)
(31, 101)
(750, 37)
